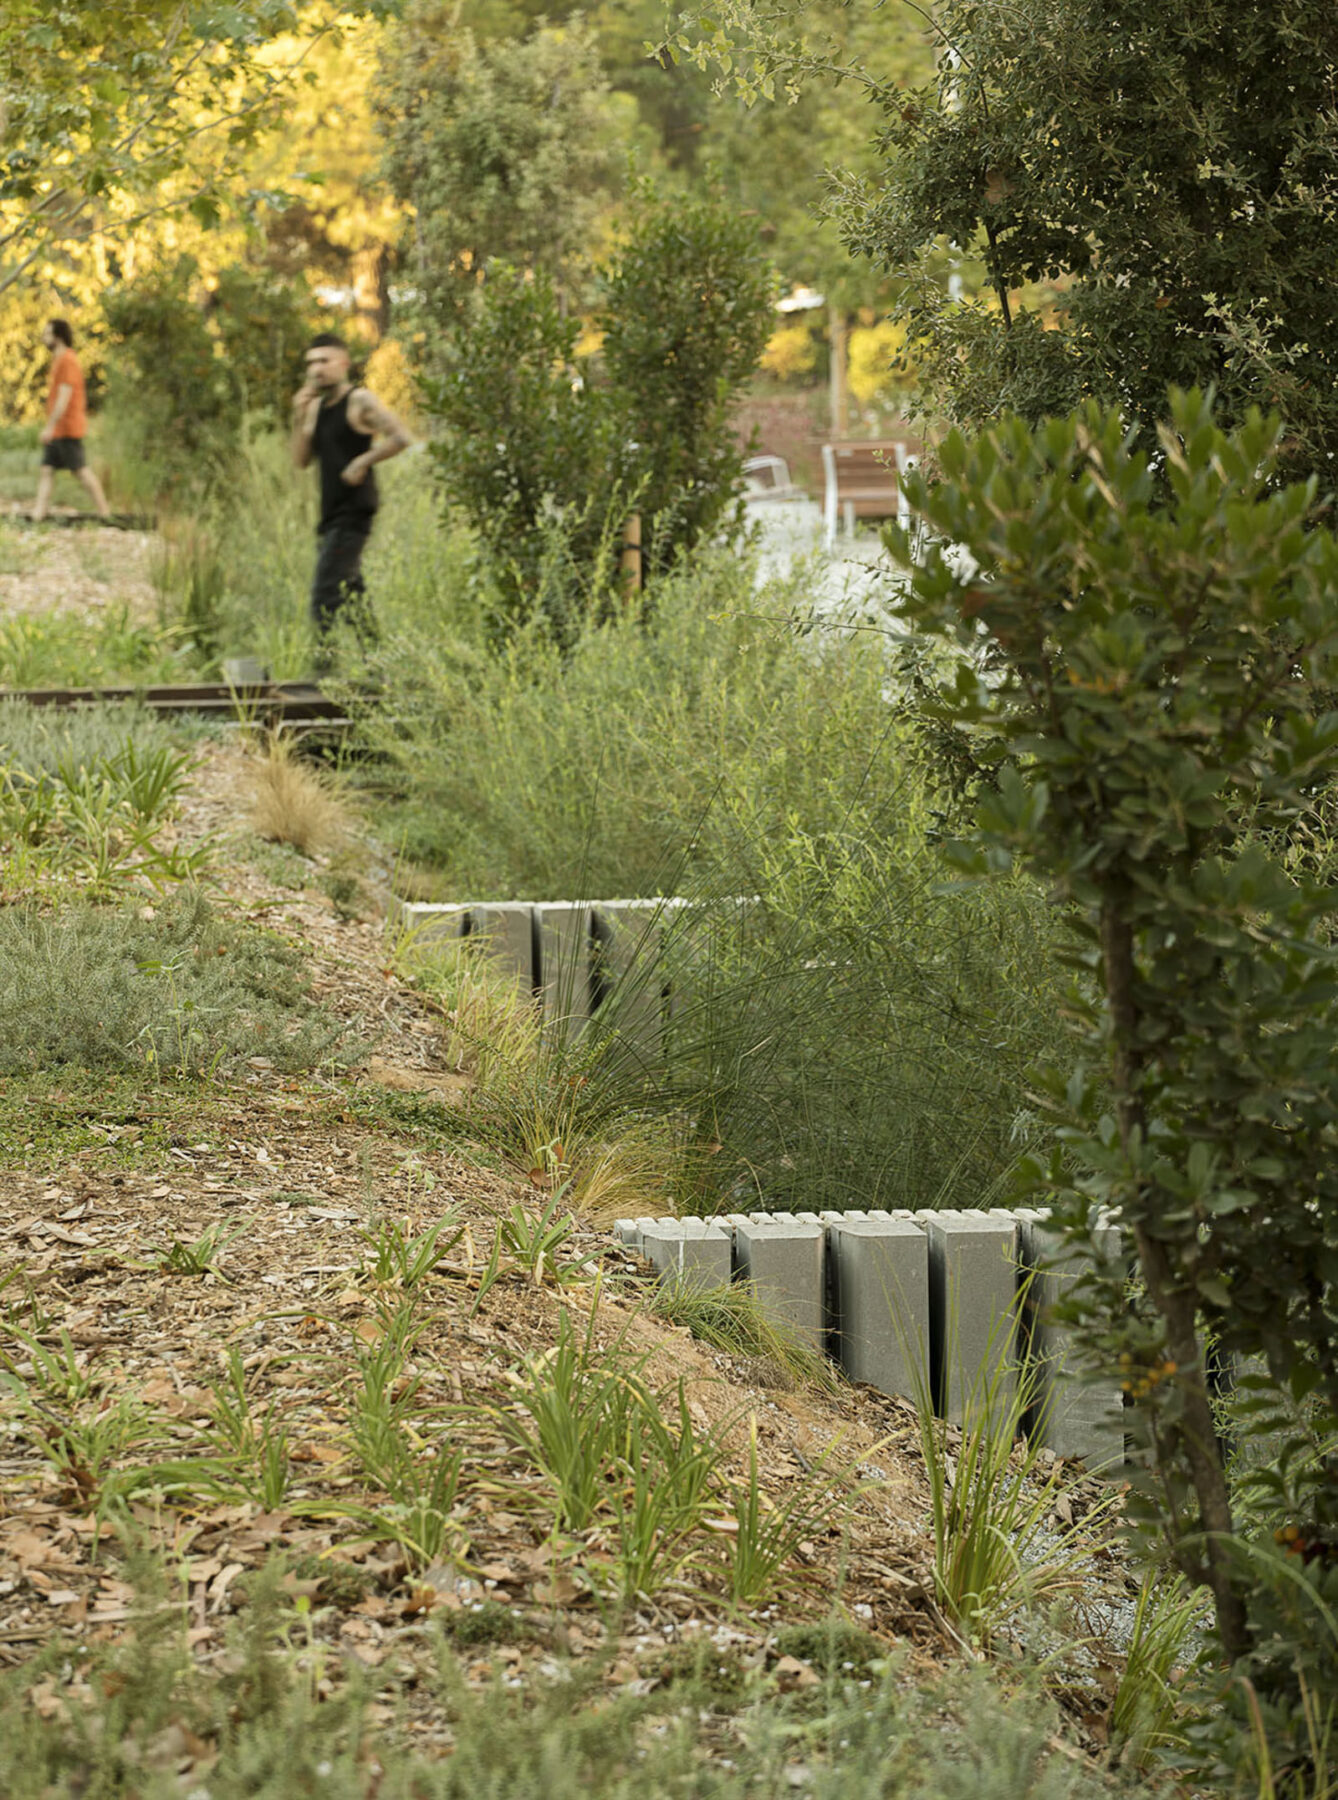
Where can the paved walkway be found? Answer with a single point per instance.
(854, 583)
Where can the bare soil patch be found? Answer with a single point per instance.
(78, 571)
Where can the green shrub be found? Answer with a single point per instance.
(42, 740)
(126, 1719)
(644, 753)
(180, 992)
(547, 456)
(185, 370)
(86, 794)
(685, 307)
(163, 365)
(529, 454)
(1160, 673)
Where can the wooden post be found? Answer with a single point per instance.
(839, 403)
(630, 562)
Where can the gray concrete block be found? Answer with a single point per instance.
(562, 935)
(627, 976)
(508, 932)
(701, 1258)
(973, 1260)
(784, 1262)
(427, 923)
(881, 1298)
(1074, 1416)
(628, 1231)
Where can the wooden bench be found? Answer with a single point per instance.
(863, 482)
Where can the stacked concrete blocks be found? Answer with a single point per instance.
(914, 1302)
(697, 1252)
(783, 1260)
(508, 931)
(881, 1297)
(563, 943)
(1073, 1415)
(973, 1278)
(431, 924)
(627, 986)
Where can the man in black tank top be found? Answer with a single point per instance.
(346, 431)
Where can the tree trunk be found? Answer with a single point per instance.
(1195, 1434)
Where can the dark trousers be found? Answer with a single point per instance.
(338, 587)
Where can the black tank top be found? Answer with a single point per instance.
(337, 443)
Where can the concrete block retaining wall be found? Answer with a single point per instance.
(901, 1299)
(896, 1297)
(574, 958)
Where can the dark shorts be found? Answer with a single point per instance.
(337, 586)
(64, 453)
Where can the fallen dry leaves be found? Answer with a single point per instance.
(287, 1173)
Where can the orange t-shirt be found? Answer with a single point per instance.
(65, 372)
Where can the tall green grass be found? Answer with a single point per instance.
(855, 1033)
(108, 649)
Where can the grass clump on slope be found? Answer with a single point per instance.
(141, 1718)
(179, 991)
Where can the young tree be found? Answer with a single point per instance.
(685, 307)
(547, 452)
(1152, 671)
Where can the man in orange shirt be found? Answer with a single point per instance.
(66, 421)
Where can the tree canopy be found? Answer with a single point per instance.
(1150, 188)
(115, 113)
(503, 149)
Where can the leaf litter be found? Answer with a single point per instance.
(278, 1176)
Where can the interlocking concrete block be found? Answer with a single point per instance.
(881, 1298)
(1073, 1415)
(628, 1231)
(562, 936)
(697, 1251)
(508, 932)
(973, 1273)
(429, 923)
(627, 975)
(784, 1262)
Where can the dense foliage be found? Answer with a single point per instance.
(547, 454)
(502, 149)
(186, 366)
(1154, 672)
(1169, 171)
